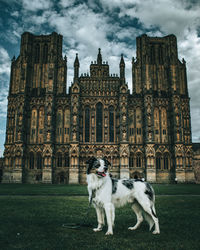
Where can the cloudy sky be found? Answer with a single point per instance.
(111, 25)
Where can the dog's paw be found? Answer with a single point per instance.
(156, 232)
(109, 233)
(132, 228)
(97, 229)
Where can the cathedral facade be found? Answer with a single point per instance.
(50, 134)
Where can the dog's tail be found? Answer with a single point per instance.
(152, 202)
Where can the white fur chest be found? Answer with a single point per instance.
(100, 189)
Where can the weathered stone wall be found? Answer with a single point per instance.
(163, 176)
(196, 161)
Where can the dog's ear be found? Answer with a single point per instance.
(91, 161)
(106, 161)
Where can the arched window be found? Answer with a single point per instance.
(41, 125)
(59, 125)
(31, 160)
(33, 133)
(99, 121)
(138, 130)
(157, 124)
(87, 124)
(11, 162)
(45, 53)
(37, 53)
(166, 161)
(138, 161)
(66, 124)
(66, 160)
(158, 161)
(111, 124)
(59, 160)
(39, 161)
(131, 160)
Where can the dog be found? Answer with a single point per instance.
(107, 193)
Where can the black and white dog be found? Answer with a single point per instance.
(107, 193)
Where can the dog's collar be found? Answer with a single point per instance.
(101, 174)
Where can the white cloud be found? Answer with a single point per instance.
(66, 3)
(189, 48)
(1, 153)
(4, 80)
(36, 5)
(3, 102)
(169, 16)
(129, 32)
(15, 14)
(122, 4)
(4, 62)
(80, 25)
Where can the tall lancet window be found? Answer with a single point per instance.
(160, 54)
(87, 124)
(152, 54)
(99, 121)
(39, 161)
(37, 53)
(111, 124)
(45, 53)
(31, 160)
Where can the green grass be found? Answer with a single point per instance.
(42, 189)
(35, 222)
(49, 189)
(176, 189)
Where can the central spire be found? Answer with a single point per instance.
(99, 57)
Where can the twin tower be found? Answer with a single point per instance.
(51, 134)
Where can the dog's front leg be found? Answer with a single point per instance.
(100, 219)
(109, 209)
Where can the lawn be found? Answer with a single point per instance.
(49, 189)
(31, 221)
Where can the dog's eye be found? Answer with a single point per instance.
(97, 165)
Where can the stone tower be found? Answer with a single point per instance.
(160, 85)
(38, 77)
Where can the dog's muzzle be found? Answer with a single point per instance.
(101, 174)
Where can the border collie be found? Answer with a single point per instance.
(107, 193)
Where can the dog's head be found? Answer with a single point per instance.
(98, 166)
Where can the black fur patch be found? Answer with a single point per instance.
(90, 162)
(114, 185)
(128, 183)
(106, 163)
(149, 191)
(136, 180)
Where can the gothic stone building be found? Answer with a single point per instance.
(50, 134)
